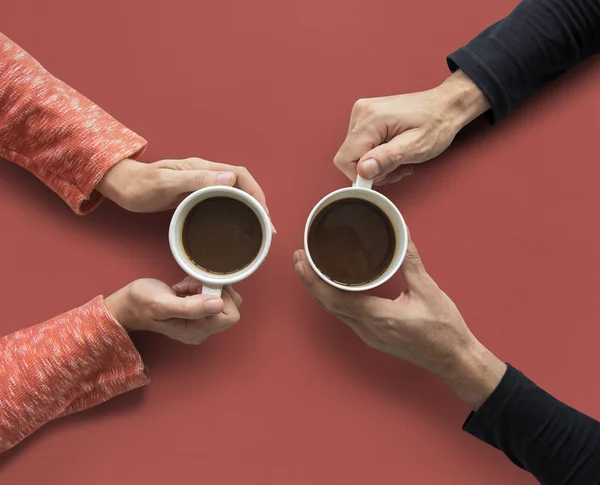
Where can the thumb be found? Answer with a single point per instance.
(412, 268)
(191, 180)
(189, 308)
(385, 158)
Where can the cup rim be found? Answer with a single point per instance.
(389, 272)
(191, 269)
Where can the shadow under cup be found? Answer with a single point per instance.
(355, 239)
(221, 210)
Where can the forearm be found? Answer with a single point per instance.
(462, 100)
(537, 42)
(67, 364)
(553, 441)
(474, 374)
(60, 136)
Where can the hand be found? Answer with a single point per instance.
(387, 134)
(153, 187)
(179, 312)
(422, 326)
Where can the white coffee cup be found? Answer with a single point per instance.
(212, 284)
(361, 189)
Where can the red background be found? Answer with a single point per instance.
(505, 221)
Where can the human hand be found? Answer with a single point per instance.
(388, 134)
(153, 187)
(179, 313)
(422, 326)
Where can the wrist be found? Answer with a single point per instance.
(114, 185)
(120, 309)
(474, 374)
(462, 99)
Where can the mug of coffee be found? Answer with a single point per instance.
(219, 236)
(355, 238)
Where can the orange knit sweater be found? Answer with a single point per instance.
(83, 357)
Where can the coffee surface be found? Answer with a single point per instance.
(352, 241)
(222, 235)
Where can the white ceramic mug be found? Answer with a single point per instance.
(212, 284)
(362, 190)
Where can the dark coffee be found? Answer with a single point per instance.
(222, 235)
(352, 241)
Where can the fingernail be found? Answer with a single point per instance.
(226, 178)
(370, 168)
(300, 269)
(297, 256)
(213, 306)
(271, 221)
(180, 286)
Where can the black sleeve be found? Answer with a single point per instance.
(556, 443)
(537, 42)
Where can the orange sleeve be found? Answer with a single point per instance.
(67, 364)
(57, 134)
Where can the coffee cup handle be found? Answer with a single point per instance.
(362, 183)
(212, 290)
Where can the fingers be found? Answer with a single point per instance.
(412, 268)
(343, 303)
(365, 152)
(188, 286)
(387, 157)
(189, 324)
(360, 139)
(235, 296)
(230, 314)
(194, 307)
(397, 175)
(191, 180)
(247, 183)
(357, 112)
(217, 323)
(244, 180)
(191, 174)
(191, 286)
